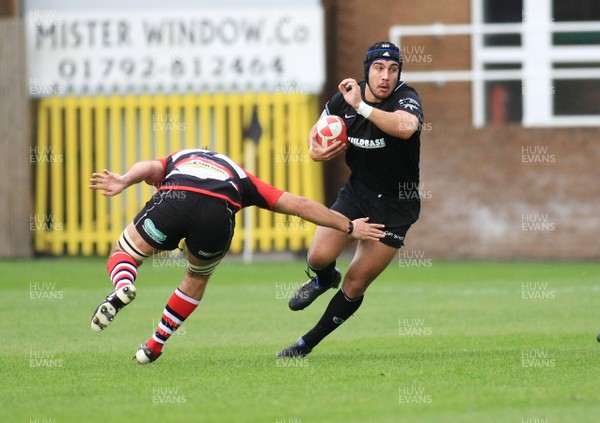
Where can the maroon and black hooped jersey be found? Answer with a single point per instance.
(216, 175)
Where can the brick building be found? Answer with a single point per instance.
(510, 143)
(509, 160)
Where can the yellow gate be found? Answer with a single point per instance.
(79, 135)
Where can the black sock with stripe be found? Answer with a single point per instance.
(340, 308)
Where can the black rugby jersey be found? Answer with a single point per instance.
(385, 164)
(216, 175)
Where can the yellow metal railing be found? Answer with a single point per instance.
(78, 135)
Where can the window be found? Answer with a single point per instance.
(503, 11)
(576, 11)
(546, 71)
(579, 10)
(576, 97)
(503, 98)
(534, 62)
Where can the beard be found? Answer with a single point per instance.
(379, 97)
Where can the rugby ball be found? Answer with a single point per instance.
(331, 129)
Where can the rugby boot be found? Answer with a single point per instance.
(310, 290)
(107, 310)
(145, 355)
(296, 350)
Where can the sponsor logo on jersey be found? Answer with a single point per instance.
(409, 104)
(365, 143)
(202, 164)
(152, 232)
(347, 116)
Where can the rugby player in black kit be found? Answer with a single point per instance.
(383, 117)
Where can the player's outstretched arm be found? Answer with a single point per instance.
(321, 215)
(112, 184)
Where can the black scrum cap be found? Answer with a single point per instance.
(383, 50)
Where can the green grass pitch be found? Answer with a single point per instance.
(433, 342)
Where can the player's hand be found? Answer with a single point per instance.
(109, 183)
(351, 92)
(367, 231)
(321, 154)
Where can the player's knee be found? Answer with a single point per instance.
(203, 269)
(127, 245)
(317, 260)
(355, 285)
(353, 290)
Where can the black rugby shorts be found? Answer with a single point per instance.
(207, 223)
(355, 201)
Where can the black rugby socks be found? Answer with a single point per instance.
(340, 308)
(326, 276)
